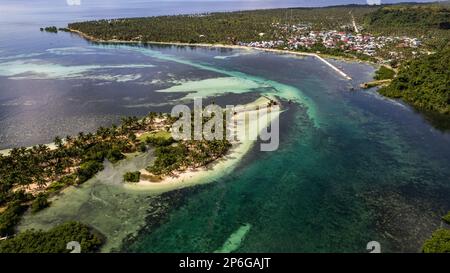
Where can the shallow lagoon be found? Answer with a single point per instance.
(352, 166)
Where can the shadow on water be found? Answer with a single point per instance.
(438, 120)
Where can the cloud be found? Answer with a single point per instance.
(73, 2)
(374, 2)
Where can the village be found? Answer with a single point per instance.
(349, 39)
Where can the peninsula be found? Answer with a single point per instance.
(29, 177)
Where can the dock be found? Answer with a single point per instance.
(342, 73)
(371, 84)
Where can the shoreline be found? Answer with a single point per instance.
(218, 167)
(279, 51)
(7, 151)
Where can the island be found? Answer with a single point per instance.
(30, 177)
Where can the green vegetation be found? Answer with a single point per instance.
(428, 21)
(384, 73)
(446, 218)
(29, 176)
(225, 28)
(158, 139)
(87, 170)
(439, 242)
(53, 241)
(52, 29)
(440, 239)
(401, 19)
(142, 148)
(41, 202)
(149, 136)
(172, 156)
(10, 217)
(132, 177)
(424, 83)
(186, 154)
(423, 79)
(65, 181)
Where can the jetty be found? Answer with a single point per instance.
(93, 39)
(340, 72)
(371, 84)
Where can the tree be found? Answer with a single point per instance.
(58, 142)
(10, 217)
(40, 203)
(446, 218)
(132, 177)
(439, 242)
(55, 240)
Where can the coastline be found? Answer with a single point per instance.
(320, 57)
(103, 190)
(6, 152)
(218, 167)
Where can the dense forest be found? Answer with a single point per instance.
(440, 239)
(429, 23)
(54, 240)
(428, 20)
(417, 18)
(226, 28)
(185, 154)
(29, 175)
(384, 73)
(424, 82)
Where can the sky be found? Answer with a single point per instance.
(10, 8)
(117, 2)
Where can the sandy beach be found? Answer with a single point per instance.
(218, 168)
(5, 152)
(279, 51)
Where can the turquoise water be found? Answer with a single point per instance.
(361, 168)
(352, 167)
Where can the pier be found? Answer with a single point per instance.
(342, 73)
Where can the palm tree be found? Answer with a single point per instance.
(69, 139)
(58, 142)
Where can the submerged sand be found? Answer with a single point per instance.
(118, 209)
